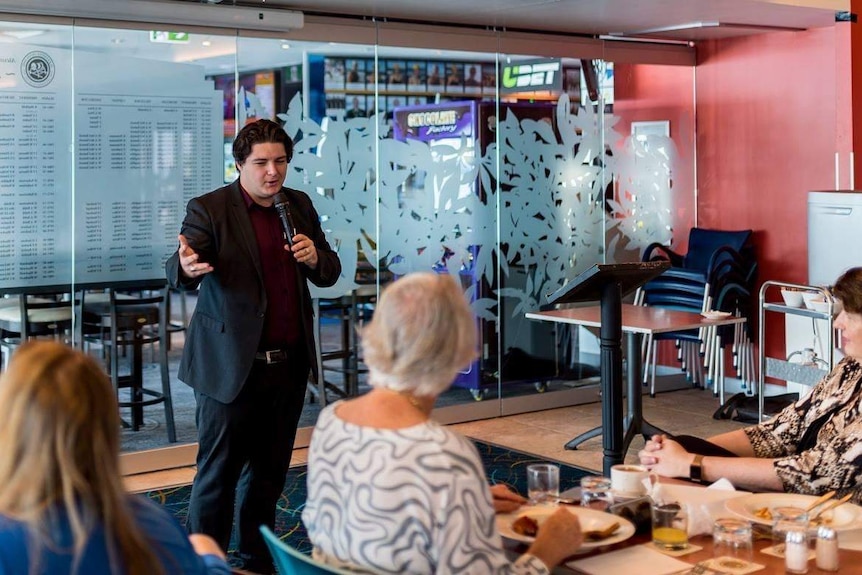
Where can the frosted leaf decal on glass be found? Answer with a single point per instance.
(551, 213)
(643, 193)
(437, 203)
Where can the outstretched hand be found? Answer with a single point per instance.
(190, 261)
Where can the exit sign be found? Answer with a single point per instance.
(169, 37)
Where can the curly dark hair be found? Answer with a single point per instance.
(260, 132)
(848, 289)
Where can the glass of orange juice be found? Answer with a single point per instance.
(669, 526)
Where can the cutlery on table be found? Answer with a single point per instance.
(831, 505)
(822, 499)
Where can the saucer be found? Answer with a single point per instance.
(715, 314)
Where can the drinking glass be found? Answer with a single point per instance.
(543, 483)
(732, 543)
(670, 526)
(596, 492)
(786, 519)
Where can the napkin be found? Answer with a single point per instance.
(623, 562)
(703, 505)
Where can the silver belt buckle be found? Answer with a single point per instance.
(269, 355)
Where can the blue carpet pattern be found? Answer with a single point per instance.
(501, 466)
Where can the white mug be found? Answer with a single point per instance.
(629, 479)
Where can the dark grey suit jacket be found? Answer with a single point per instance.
(226, 327)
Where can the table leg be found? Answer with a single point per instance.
(137, 380)
(574, 443)
(610, 334)
(635, 423)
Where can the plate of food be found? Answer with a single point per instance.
(599, 528)
(715, 314)
(758, 508)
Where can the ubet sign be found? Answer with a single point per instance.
(532, 75)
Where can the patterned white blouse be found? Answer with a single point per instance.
(818, 440)
(412, 500)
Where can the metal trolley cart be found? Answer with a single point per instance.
(805, 373)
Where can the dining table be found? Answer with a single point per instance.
(636, 555)
(637, 322)
(638, 548)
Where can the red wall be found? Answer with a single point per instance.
(767, 132)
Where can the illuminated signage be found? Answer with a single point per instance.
(436, 121)
(532, 75)
(161, 37)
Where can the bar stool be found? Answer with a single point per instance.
(26, 316)
(119, 322)
(350, 310)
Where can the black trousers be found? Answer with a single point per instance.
(243, 456)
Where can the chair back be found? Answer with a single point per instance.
(27, 316)
(703, 243)
(290, 561)
(30, 315)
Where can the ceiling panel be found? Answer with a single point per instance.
(682, 19)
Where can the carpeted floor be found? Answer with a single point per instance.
(501, 466)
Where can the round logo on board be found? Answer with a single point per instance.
(37, 68)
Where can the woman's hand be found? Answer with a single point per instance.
(666, 457)
(652, 444)
(559, 537)
(206, 545)
(506, 500)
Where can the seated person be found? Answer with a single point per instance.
(63, 507)
(812, 446)
(390, 490)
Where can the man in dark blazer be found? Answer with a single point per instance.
(249, 346)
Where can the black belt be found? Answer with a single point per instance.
(273, 355)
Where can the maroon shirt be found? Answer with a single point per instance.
(282, 325)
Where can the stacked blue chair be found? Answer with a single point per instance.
(718, 273)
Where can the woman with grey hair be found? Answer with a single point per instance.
(390, 490)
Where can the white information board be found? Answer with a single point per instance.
(95, 170)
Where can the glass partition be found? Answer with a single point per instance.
(36, 166)
(513, 172)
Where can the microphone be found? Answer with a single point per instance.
(283, 208)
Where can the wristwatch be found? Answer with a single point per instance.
(695, 470)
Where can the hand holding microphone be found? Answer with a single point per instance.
(282, 206)
(299, 244)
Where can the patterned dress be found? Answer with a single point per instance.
(411, 500)
(834, 459)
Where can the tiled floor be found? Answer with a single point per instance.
(544, 433)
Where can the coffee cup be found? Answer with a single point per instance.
(629, 479)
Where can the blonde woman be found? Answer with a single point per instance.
(63, 508)
(390, 490)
